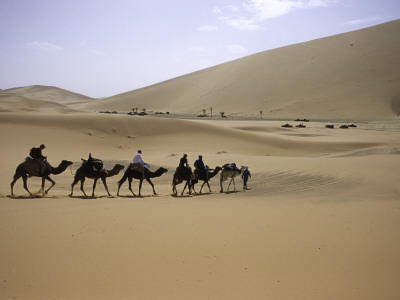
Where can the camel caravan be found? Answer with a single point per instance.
(36, 165)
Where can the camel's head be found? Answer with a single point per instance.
(119, 167)
(163, 170)
(66, 162)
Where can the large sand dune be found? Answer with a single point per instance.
(321, 217)
(353, 75)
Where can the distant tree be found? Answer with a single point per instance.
(204, 111)
(222, 114)
(261, 114)
(211, 111)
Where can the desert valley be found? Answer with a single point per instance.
(320, 219)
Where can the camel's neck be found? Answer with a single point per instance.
(157, 173)
(113, 172)
(61, 168)
(213, 173)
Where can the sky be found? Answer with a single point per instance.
(101, 48)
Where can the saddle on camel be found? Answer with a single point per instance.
(93, 164)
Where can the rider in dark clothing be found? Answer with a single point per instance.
(200, 167)
(36, 154)
(183, 165)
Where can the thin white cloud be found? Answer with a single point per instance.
(44, 46)
(208, 28)
(362, 21)
(236, 49)
(255, 12)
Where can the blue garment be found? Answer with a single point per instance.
(245, 176)
(199, 164)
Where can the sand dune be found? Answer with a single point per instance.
(320, 219)
(348, 76)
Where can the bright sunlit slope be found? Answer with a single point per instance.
(354, 75)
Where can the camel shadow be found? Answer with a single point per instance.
(230, 192)
(25, 197)
(181, 196)
(90, 197)
(203, 194)
(137, 196)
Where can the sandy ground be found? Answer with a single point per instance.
(320, 220)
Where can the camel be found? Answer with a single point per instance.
(206, 179)
(30, 168)
(179, 177)
(88, 171)
(227, 173)
(130, 174)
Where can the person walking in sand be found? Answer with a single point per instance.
(138, 163)
(245, 176)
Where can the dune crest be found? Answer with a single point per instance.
(350, 75)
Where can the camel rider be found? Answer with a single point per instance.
(36, 154)
(200, 167)
(183, 165)
(138, 163)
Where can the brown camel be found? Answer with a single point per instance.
(181, 176)
(206, 178)
(30, 168)
(86, 170)
(227, 173)
(130, 174)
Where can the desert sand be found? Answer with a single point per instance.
(320, 219)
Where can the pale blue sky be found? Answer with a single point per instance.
(106, 47)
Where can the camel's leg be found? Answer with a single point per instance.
(94, 185)
(72, 186)
(234, 186)
(204, 184)
(119, 185)
(53, 183)
(190, 188)
(16, 177)
(220, 182)
(192, 185)
(42, 186)
(130, 186)
(184, 188)
(25, 180)
(152, 185)
(105, 185)
(82, 182)
(174, 190)
(140, 186)
(231, 182)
